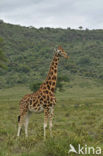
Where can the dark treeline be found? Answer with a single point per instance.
(29, 52)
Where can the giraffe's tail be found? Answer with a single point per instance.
(18, 118)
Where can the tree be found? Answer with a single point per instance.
(80, 27)
(35, 86)
(2, 57)
(61, 78)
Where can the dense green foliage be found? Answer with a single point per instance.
(30, 50)
(2, 57)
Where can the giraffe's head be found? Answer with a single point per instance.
(60, 51)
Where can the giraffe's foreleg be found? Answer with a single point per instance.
(50, 121)
(45, 121)
(26, 123)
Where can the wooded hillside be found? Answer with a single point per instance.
(29, 52)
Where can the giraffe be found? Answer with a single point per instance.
(43, 100)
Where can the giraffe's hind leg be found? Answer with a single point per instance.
(19, 125)
(22, 120)
(19, 128)
(45, 121)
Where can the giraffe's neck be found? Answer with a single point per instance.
(51, 79)
(52, 74)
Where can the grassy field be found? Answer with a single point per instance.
(78, 120)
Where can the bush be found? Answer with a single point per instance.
(35, 86)
(59, 86)
(101, 76)
(63, 78)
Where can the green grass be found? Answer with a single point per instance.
(78, 119)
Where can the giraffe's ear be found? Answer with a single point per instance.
(59, 47)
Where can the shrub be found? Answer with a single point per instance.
(35, 86)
